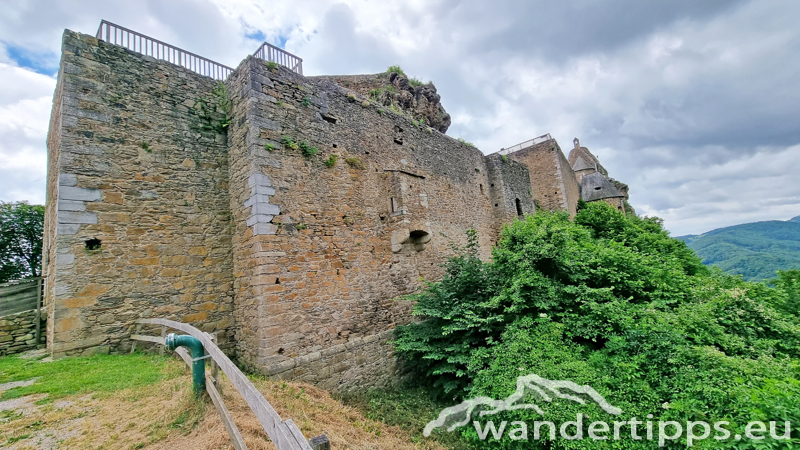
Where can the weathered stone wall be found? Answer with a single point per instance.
(549, 178)
(322, 254)
(510, 189)
(134, 162)
(18, 332)
(569, 182)
(297, 264)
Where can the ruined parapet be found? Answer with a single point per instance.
(395, 90)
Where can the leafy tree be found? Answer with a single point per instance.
(613, 302)
(789, 282)
(21, 228)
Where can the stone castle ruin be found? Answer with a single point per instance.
(285, 214)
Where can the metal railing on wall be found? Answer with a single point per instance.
(137, 42)
(526, 144)
(269, 52)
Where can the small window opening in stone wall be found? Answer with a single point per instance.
(519, 207)
(281, 351)
(93, 244)
(597, 188)
(394, 204)
(481, 188)
(416, 241)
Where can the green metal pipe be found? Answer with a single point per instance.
(173, 341)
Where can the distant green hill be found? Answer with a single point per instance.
(755, 250)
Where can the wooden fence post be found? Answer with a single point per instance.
(320, 442)
(39, 312)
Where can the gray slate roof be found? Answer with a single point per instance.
(581, 164)
(595, 186)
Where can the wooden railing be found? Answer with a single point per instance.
(283, 433)
(269, 52)
(20, 296)
(526, 144)
(137, 42)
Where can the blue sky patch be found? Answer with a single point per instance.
(256, 36)
(45, 63)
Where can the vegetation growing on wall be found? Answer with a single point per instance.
(612, 302)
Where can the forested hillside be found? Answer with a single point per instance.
(755, 250)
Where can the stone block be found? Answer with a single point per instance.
(260, 198)
(67, 228)
(259, 179)
(76, 193)
(67, 179)
(259, 218)
(71, 205)
(264, 228)
(265, 208)
(262, 190)
(77, 217)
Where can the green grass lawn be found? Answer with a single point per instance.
(92, 374)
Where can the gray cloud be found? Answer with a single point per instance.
(694, 104)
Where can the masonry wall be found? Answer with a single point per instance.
(321, 254)
(509, 183)
(18, 332)
(551, 176)
(571, 187)
(135, 162)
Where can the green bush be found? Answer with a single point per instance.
(331, 161)
(307, 149)
(395, 69)
(612, 302)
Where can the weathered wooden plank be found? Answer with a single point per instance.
(320, 442)
(225, 415)
(294, 431)
(17, 288)
(16, 282)
(184, 354)
(30, 302)
(20, 296)
(265, 413)
(133, 344)
(156, 339)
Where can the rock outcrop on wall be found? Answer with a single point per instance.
(392, 89)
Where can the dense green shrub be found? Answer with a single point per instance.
(609, 301)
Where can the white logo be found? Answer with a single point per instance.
(461, 414)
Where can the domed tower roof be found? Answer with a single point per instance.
(595, 186)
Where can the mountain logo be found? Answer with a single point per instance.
(461, 414)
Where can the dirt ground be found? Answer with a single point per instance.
(167, 416)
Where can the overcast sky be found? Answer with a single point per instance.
(694, 104)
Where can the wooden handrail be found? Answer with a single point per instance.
(284, 434)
